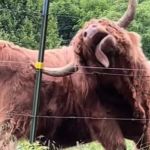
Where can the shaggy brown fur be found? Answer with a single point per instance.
(125, 95)
(77, 94)
(132, 85)
(72, 95)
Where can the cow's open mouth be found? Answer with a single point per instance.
(97, 38)
(93, 35)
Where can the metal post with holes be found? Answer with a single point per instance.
(39, 66)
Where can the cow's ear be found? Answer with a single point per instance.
(135, 38)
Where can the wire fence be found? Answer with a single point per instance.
(94, 70)
(73, 117)
(5, 63)
(125, 72)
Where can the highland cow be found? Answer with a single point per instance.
(72, 95)
(75, 94)
(131, 81)
(128, 79)
(65, 96)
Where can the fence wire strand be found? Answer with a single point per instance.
(73, 117)
(88, 69)
(82, 117)
(85, 67)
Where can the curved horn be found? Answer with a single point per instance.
(61, 71)
(128, 16)
(106, 44)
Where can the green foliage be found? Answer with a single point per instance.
(141, 24)
(67, 13)
(24, 145)
(53, 39)
(72, 14)
(97, 146)
(20, 22)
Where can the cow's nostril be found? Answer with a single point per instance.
(94, 26)
(85, 34)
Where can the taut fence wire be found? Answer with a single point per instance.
(92, 70)
(99, 71)
(73, 117)
(5, 63)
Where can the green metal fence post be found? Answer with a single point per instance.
(36, 97)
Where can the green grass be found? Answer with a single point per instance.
(24, 145)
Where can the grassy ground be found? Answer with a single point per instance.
(24, 145)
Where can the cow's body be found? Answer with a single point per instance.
(73, 95)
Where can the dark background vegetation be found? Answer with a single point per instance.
(20, 19)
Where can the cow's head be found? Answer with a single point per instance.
(112, 44)
(96, 39)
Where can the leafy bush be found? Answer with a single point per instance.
(24, 145)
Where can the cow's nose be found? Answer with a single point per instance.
(91, 31)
